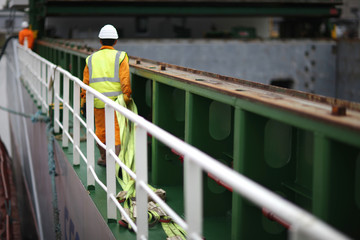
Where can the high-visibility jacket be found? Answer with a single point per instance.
(28, 34)
(103, 68)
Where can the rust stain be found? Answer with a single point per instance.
(200, 79)
(338, 110)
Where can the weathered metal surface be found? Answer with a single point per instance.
(9, 208)
(307, 65)
(348, 70)
(311, 105)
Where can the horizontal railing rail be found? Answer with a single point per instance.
(44, 79)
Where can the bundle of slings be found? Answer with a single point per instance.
(128, 194)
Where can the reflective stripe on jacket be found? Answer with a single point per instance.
(104, 73)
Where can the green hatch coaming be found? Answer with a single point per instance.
(292, 118)
(297, 119)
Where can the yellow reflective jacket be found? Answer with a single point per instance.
(103, 68)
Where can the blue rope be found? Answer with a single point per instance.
(38, 117)
(53, 174)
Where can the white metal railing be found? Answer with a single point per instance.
(37, 73)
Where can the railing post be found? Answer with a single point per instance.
(76, 124)
(193, 197)
(56, 101)
(65, 140)
(34, 80)
(26, 65)
(49, 91)
(44, 88)
(90, 139)
(141, 176)
(110, 162)
(42, 83)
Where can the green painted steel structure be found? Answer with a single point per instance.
(298, 150)
(41, 9)
(188, 10)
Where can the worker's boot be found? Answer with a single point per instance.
(102, 160)
(117, 152)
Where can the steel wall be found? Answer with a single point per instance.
(348, 70)
(309, 65)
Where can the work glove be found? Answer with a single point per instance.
(83, 107)
(127, 99)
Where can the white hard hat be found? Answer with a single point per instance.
(108, 32)
(24, 24)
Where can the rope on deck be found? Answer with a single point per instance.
(40, 117)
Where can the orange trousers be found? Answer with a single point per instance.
(100, 126)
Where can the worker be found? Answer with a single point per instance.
(107, 71)
(26, 35)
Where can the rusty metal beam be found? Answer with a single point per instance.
(305, 104)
